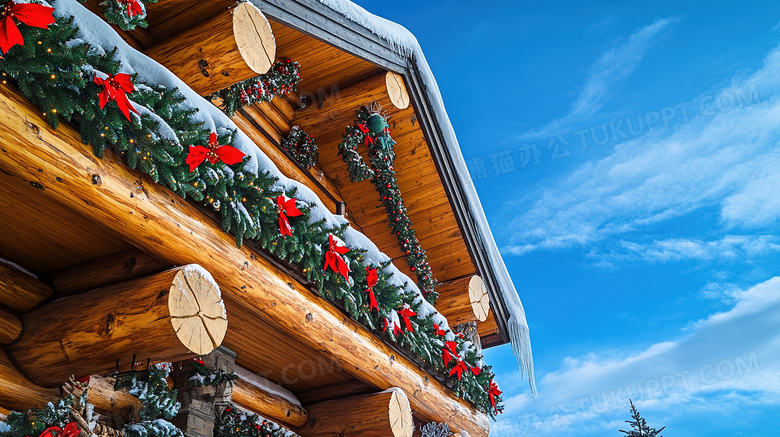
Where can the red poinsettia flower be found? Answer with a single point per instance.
(214, 153)
(28, 13)
(372, 278)
(116, 87)
(334, 260)
(133, 7)
(286, 209)
(71, 430)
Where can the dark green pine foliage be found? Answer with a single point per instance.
(158, 402)
(639, 427)
(34, 421)
(283, 78)
(302, 147)
(203, 375)
(234, 423)
(59, 76)
(116, 12)
(371, 130)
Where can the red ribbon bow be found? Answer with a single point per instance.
(437, 330)
(396, 328)
(133, 7)
(459, 369)
(30, 14)
(286, 209)
(71, 430)
(372, 278)
(116, 87)
(367, 139)
(214, 153)
(407, 312)
(493, 391)
(476, 370)
(449, 352)
(334, 260)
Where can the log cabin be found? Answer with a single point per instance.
(120, 226)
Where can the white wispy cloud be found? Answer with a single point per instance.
(725, 159)
(721, 363)
(727, 248)
(612, 66)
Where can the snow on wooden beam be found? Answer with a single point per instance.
(463, 300)
(17, 392)
(373, 415)
(232, 46)
(180, 233)
(251, 396)
(20, 291)
(170, 316)
(102, 271)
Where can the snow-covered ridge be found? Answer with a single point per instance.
(405, 44)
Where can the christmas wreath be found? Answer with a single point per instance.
(301, 147)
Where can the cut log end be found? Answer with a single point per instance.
(480, 300)
(197, 313)
(396, 90)
(401, 420)
(254, 37)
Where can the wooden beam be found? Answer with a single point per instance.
(20, 291)
(4, 414)
(232, 46)
(180, 233)
(17, 392)
(106, 270)
(383, 414)
(252, 397)
(335, 391)
(170, 316)
(106, 399)
(330, 117)
(10, 326)
(463, 300)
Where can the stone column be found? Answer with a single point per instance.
(200, 406)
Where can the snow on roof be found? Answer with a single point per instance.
(405, 44)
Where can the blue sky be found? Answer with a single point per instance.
(626, 156)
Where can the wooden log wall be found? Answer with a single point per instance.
(232, 46)
(102, 271)
(17, 392)
(373, 415)
(170, 316)
(249, 280)
(20, 291)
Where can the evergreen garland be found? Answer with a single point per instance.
(57, 71)
(202, 375)
(126, 14)
(35, 421)
(302, 147)
(371, 130)
(283, 78)
(235, 423)
(150, 386)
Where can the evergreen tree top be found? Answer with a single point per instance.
(639, 425)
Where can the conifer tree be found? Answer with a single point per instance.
(639, 425)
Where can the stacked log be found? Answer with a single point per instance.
(170, 316)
